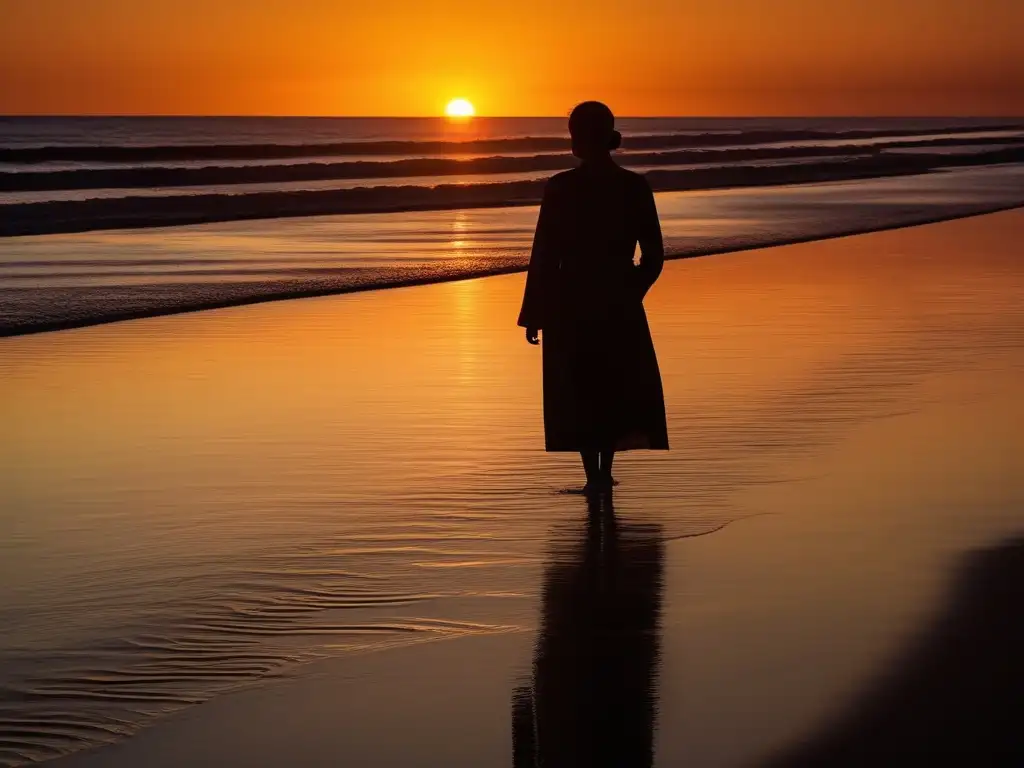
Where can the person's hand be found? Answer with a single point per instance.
(532, 335)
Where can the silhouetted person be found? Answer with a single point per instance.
(602, 387)
(591, 702)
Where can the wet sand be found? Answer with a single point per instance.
(351, 491)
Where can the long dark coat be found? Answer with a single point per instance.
(602, 387)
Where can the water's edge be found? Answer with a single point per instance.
(307, 291)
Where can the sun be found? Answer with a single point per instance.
(459, 108)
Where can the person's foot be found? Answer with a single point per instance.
(599, 486)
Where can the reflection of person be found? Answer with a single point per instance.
(602, 387)
(592, 698)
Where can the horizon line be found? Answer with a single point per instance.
(227, 115)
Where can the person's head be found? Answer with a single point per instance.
(592, 127)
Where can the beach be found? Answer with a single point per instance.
(325, 532)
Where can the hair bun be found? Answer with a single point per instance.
(616, 140)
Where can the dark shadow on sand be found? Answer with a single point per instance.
(955, 697)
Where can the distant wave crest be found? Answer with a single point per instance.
(106, 153)
(145, 177)
(127, 212)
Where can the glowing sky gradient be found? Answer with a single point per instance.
(531, 57)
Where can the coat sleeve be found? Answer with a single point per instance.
(543, 266)
(652, 247)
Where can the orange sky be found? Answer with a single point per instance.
(525, 57)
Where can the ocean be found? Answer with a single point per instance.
(111, 218)
(78, 174)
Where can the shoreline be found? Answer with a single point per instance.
(48, 326)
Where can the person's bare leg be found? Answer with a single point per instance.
(606, 459)
(592, 466)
